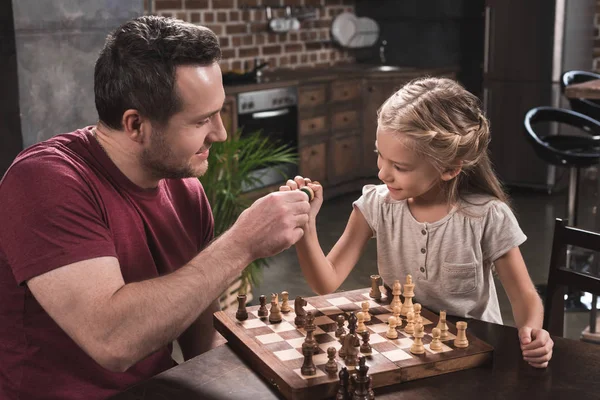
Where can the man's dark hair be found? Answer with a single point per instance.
(136, 68)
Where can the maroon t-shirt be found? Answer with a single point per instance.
(63, 201)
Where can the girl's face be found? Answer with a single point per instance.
(406, 174)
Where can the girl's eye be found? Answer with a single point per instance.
(399, 169)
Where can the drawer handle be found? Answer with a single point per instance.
(345, 119)
(312, 98)
(313, 153)
(370, 89)
(312, 126)
(345, 93)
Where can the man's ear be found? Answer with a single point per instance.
(135, 126)
(451, 173)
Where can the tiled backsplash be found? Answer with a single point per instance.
(244, 32)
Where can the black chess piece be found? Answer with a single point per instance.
(342, 393)
(299, 304)
(310, 328)
(361, 381)
(263, 311)
(342, 351)
(308, 366)
(331, 367)
(365, 347)
(352, 321)
(241, 314)
(341, 320)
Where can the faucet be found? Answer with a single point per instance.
(382, 51)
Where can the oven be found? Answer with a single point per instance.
(275, 113)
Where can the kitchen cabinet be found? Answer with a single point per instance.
(345, 158)
(313, 162)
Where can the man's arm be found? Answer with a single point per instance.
(201, 336)
(119, 324)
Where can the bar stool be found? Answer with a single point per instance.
(589, 107)
(573, 152)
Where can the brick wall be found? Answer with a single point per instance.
(244, 32)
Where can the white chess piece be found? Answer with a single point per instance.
(392, 333)
(365, 310)
(360, 327)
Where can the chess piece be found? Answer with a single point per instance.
(365, 347)
(436, 343)
(310, 328)
(410, 323)
(262, 310)
(409, 293)
(375, 293)
(309, 192)
(418, 319)
(371, 392)
(342, 393)
(299, 304)
(396, 310)
(285, 307)
(340, 326)
(461, 340)
(392, 333)
(361, 327)
(396, 292)
(352, 344)
(241, 313)
(417, 346)
(308, 366)
(365, 311)
(443, 327)
(342, 351)
(361, 381)
(275, 315)
(331, 367)
(352, 320)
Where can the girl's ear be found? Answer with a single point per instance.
(451, 173)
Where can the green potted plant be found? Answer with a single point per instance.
(230, 165)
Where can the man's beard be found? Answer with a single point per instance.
(162, 163)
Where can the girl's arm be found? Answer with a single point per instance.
(527, 308)
(326, 274)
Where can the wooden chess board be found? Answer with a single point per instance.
(274, 351)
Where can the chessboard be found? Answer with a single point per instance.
(274, 351)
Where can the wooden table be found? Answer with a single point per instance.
(585, 90)
(573, 374)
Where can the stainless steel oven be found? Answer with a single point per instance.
(275, 113)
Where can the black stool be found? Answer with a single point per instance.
(573, 152)
(589, 107)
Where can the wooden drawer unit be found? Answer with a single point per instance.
(345, 91)
(311, 96)
(345, 120)
(345, 158)
(313, 162)
(312, 126)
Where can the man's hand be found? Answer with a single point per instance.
(273, 223)
(300, 182)
(536, 345)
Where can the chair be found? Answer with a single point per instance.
(591, 108)
(574, 152)
(560, 276)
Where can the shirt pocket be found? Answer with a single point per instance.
(459, 278)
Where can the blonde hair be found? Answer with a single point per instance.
(445, 125)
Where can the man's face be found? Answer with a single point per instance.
(180, 149)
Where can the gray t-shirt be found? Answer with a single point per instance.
(450, 260)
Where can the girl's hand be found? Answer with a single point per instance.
(536, 345)
(299, 182)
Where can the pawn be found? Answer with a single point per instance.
(241, 313)
(365, 310)
(418, 319)
(342, 351)
(392, 333)
(331, 367)
(410, 323)
(309, 192)
(365, 347)
(436, 343)
(342, 393)
(285, 307)
(263, 311)
(417, 346)
(396, 292)
(340, 326)
(396, 312)
(361, 327)
(375, 293)
(461, 340)
(443, 326)
(275, 315)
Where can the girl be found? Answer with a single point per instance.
(440, 215)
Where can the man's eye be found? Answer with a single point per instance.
(203, 122)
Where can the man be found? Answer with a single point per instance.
(106, 251)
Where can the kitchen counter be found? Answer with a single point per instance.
(293, 77)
